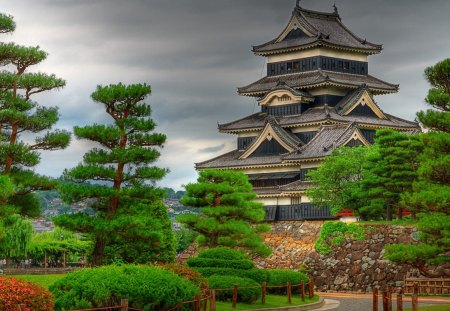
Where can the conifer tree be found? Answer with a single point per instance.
(20, 115)
(389, 170)
(131, 223)
(228, 214)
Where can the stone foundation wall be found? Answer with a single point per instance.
(355, 266)
(358, 266)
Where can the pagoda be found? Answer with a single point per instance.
(317, 95)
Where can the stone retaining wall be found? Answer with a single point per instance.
(355, 266)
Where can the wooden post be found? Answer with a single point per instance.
(64, 260)
(197, 303)
(389, 298)
(289, 292)
(400, 300)
(123, 304)
(212, 301)
(384, 300)
(235, 295)
(263, 293)
(302, 290)
(415, 302)
(311, 288)
(45, 260)
(204, 301)
(375, 299)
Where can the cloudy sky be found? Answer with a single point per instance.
(194, 53)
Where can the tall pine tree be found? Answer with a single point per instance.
(131, 222)
(228, 215)
(20, 116)
(389, 170)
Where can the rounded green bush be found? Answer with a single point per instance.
(223, 253)
(145, 287)
(221, 263)
(281, 277)
(248, 295)
(258, 275)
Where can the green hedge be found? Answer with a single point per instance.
(248, 295)
(280, 277)
(258, 275)
(145, 287)
(220, 263)
(223, 253)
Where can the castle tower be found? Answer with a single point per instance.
(317, 95)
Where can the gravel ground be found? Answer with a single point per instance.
(338, 303)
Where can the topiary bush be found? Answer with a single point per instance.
(14, 291)
(225, 253)
(221, 263)
(280, 277)
(333, 233)
(145, 287)
(191, 275)
(258, 275)
(248, 295)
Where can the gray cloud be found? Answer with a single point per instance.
(212, 149)
(195, 53)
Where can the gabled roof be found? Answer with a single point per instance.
(329, 138)
(317, 115)
(296, 95)
(316, 78)
(308, 29)
(360, 96)
(273, 130)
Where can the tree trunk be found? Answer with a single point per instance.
(389, 212)
(99, 251)
(12, 141)
(400, 214)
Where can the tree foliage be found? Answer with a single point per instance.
(21, 116)
(336, 181)
(16, 236)
(131, 223)
(228, 216)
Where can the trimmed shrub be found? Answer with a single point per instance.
(189, 274)
(280, 277)
(220, 263)
(258, 275)
(223, 253)
(145, 287)
(14, 291)
(248, 295)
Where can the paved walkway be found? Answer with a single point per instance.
(363, 302)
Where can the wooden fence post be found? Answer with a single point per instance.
(389, 298)
(415, 302)
(384, 300)
(375, 299)
(263, 293)
(400, 300)
(289, 292)
(302, 290)
(197, 303)
(311, 288)
(124, 305)
(235, 295)
(212, 301)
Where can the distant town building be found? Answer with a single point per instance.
(317, 95)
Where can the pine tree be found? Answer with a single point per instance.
(20, 115)
(228, 214)
(390, 170)
(131, 223)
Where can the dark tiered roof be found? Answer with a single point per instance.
(329, 138)
(316, 78)
(315, 29)
(316, 115)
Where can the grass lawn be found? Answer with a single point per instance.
(432, 308)
(272, 301)
(45, 279)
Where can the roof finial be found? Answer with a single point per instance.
(335, 9)
(298, 3)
